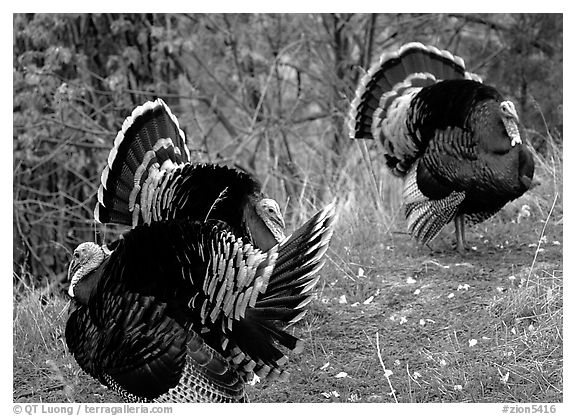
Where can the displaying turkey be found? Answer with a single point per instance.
(149, 177)
(184, 311)
(454, 140)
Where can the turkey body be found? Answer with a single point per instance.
(149, 176)
(454, 141)
(184, 311)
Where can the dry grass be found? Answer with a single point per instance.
(392, 321)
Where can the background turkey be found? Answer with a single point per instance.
(149, 177)
(454, 140)
(185, 311)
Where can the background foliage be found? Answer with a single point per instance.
(266, 93)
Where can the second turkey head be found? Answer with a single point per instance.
(264, 222)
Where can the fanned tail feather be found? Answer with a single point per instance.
(380, 107)
(149, 142)
(289, 290)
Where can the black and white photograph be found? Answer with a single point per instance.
(344, 208)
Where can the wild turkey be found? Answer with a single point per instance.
(454, 140)
(186, 311)
(149, 177)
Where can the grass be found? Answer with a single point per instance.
(392, 321)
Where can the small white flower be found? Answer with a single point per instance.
(443, 362)
(403, 320)
(416, 375)
(342, 299)
(465, 286)
(360, 272)
(458, 387)
(396, 362)
(556, 242)
(388, 373)
(512, 278)
(410, 280)
(422, 322)
(451, 295)
(513, 330)
(417, 292)
(472, 342)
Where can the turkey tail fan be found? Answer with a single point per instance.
(150, 138)
(283, 303)
(414, 65)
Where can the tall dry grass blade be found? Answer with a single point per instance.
(375, 191)
(542, 235)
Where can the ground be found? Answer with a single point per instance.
(485, 326)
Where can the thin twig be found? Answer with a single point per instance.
(386, 372)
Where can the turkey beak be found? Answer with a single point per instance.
(277, 227)
(280, 222)
(74, 264)
(72, 269)
(509, 111)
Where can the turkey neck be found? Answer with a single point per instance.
(261, 235)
